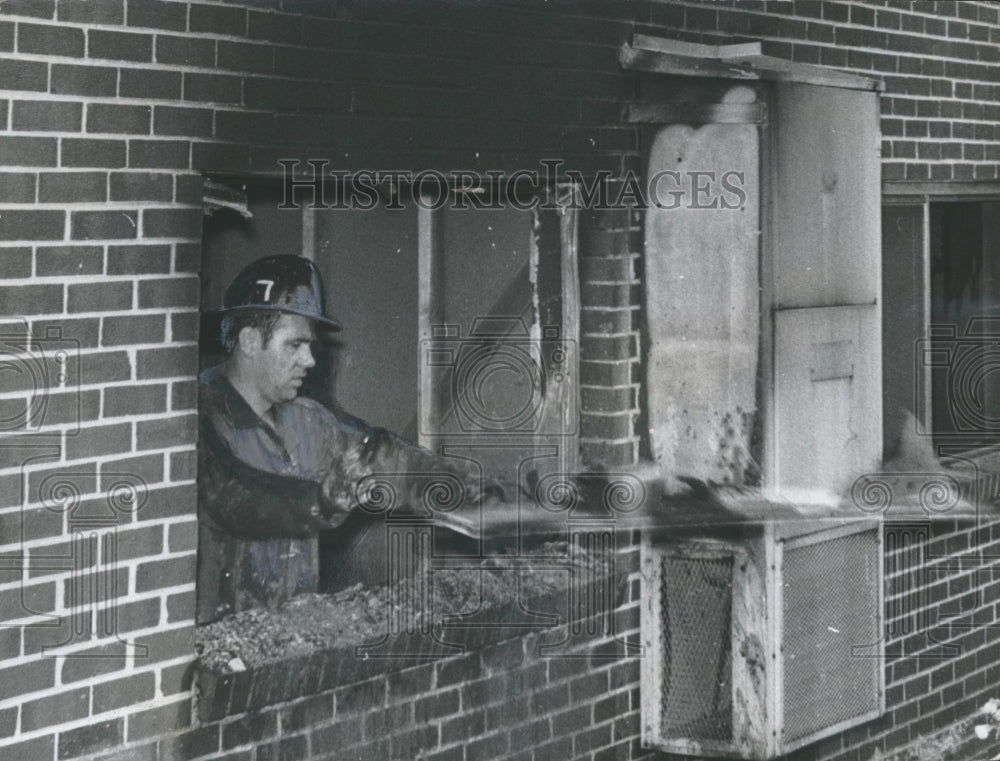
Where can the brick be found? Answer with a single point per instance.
(222, 157)
(91, 11)
(148, 469)
(106, 367)
(413, 743)
(73, 79)
(118, 119)
(17, 187)
(70, 187)
(46, 116)
(459, 669)
(337, 736)
(218, 20)
(359, 697)
(188, 189)
(184, 395)
(121, 46)
(92, 152)
(27, 678)
(213, 88)
(182, 468)
(276, 27)
(97, 297)
(138, 259)
(166, 432)
(50, 40)
(24, 602)
(134, 399)
(28, 151)
(8, 721)
(96, 225)
(307, 713)
(172, 223)
(186, 51)
(159, 154)
(178, 121)
(55, 709)
(70, 260)
(39, 749)
(23, 75)
(192, 744)
(171, 643)
(168, 362)
(177, 679)
(141, 186)
(242, 56)
(466, 725)
(181, 607)
(184, 326)
(16, 262)
(100, 440)
(37, 8)
(91, 738)
(121, 693)
(31, 299)
(187, 257)
(133, 329)
(159, 574)
(150, 84)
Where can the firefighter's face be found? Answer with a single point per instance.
(281, 365)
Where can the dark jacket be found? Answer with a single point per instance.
(264, 493)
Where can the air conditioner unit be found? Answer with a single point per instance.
(761, 642)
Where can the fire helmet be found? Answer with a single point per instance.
(284, 283)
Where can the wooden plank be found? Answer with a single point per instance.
(428, 264)
(710, 61)
(638, 59)
(696, 113)
(695, 49)
(569, 258)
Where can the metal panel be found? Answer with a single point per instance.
(696, 691)
(827, 428)
(827, 237)
(701, 299)
(829, 588)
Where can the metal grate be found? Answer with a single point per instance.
(828, 591)
(696, 690)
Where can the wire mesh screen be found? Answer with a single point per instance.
(830, 590)
(696, 690)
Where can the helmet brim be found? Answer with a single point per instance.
(321, 321)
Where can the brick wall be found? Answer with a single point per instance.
(110, 113)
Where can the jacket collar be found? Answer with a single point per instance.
(229, 401)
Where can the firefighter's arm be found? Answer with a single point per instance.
(375, 453)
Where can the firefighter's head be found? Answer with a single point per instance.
(271, 313)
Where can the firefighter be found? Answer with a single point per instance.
(277, 468)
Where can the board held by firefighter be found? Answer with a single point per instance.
(277, 469)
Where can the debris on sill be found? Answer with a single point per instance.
(309, 623)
